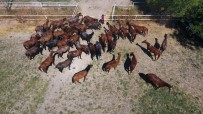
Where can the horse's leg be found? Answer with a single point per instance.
(84, 78)
(78, 81)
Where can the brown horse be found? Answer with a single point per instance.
(92, 50)
(61, 50)
(46, 25)
(157, 82)
(57, 24)
(64, 64)
(88, 19)
(75, 19)
(123, 31)
(29, 43)
(47, 62)
(132, 33)
(133, 63)
(75, 53)
(112, 64)
(164, 44)
(103, 41)
(83, 73)
(152, 49)
(113, 29)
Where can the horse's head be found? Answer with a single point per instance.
(165, 35)
(131, 54)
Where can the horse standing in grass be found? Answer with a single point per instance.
(83, 73)
(152, 49)
(47, 62)
(112, 64)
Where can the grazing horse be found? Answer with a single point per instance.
(57, 24)
(92, 50)
(112, 64)
(164, 44)
(103, 41)
(133, 63)
(86, 36)
(157, 82)
(83, 73)
(98, 48)
(64, 64)
(74, 19)
(88, 19)
(152, 49)
(47, 62)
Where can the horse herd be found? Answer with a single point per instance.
(66, 33)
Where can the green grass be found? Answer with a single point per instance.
(161, 102)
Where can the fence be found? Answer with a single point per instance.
(37, 10)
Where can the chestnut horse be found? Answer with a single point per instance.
(152, 49)
(83, 73)
(103, 41)
(164, 44)
(123, 31)
(57, 24)
(47, 62)
(112, 64)
(157, 82)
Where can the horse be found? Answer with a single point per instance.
(141, 29)
(133, 63)
(74, 19)
(57, 24)
(104, 65)
(61, 50)
(152, 49)
(82, 47)
(64, 64)
(113, 29)
(132, 33)
(92, 50)
(109, 35)
(86, 36)
(103, 41)
(51, 43)
(46, 25)
(33, 51)
(112, 45)
(98, 48)
(164, 44)
(112, 64)
(47, 37)
(47, 62)
(29, 43)
(88, 19)
(94, 25)
(83, 73)
(157, 82)
(75, 53)
(123, 31)
(66, 40)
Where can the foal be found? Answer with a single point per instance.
(152, 49)
(83, 73)
(157, 82)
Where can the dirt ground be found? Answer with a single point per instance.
(106, 92)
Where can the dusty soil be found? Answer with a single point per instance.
(116, 91)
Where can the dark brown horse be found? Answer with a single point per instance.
(157, 82)
(152, 49)
(123, 31)
(57, 24)
(64, 64)
(103, 41)
(81, 74)
(75, 53)
(88, 19)
(92, 50)
(75, 19)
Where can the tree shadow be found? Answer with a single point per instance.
(145, 51)
(127, 63)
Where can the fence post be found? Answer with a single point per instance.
(113, 12)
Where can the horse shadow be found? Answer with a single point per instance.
(157, 44)
(127, 63)
(145, 78)
(145, 51)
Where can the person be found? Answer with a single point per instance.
(102, 19)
